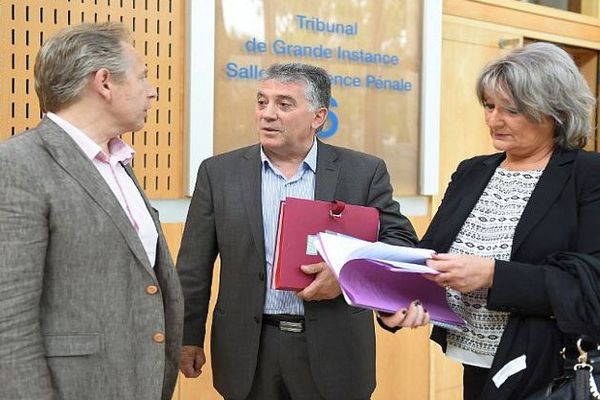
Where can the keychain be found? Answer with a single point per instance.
(579, 369)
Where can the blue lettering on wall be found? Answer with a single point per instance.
(377, 82)
(281, 48)
(345, 81)
(255, 46)
(316, 24)
(333, 121)
(366, 57)
(371, 82)
(234, 71)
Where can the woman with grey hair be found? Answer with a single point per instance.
(507, 218)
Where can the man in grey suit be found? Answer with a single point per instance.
(90, 304)
(272, 344)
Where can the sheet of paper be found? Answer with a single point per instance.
(410, 267)
(338, 248)
(336, 271)
(388, 252)
(341, 249)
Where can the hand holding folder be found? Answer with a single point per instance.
(299, 222)
(385, 278)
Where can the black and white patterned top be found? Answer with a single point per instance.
(487, 232)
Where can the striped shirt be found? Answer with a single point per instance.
(276, 187)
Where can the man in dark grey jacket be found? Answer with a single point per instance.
(330, 353)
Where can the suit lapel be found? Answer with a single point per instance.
(72, 159)
(544, 195)
(468, 191)
(327, 172)
(252, 197)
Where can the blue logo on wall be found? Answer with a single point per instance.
(333, 122)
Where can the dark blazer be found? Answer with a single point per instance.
(563, 214)
(225, 218)
(78, 305)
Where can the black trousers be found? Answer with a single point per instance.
(283, 370)
(474, 379)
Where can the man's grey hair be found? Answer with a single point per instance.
(541, 79)
(317, 84)
(64, 63)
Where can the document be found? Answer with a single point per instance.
(385, 278)
(299, 222)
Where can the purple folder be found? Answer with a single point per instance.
(382, 287)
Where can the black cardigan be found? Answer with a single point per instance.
(563, 214)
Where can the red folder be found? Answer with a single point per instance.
(299, 222)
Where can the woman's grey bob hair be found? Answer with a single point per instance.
(541, 79)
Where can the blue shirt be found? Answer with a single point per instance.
(276, 187)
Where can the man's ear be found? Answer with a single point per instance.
(320, 117)
(102, 83)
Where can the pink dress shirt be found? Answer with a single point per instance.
(122, 186)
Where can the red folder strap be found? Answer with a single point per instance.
(337, 207)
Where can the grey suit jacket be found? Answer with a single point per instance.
(225, 218)
(76, 319)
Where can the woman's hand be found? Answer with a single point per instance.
(416, 315)
(462, 272)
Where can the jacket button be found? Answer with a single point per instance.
(151, 289)
(261, 275)
(159, 337)
(256, 319)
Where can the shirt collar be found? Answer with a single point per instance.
(309, 161)
(119, 150)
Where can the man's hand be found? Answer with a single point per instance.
(192, 360)
(324, 287)
(462, 272)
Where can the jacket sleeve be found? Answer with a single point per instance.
(394, 227)
(196, 258)
(24, 372)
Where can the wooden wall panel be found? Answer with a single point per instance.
(173, 233)
(465, 50)
(590, 7)
(445, 375)
(201, 388)
(158, 30)
(402, 364)
(587, 62)
(527, 16)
